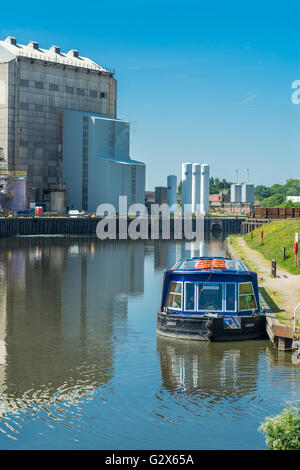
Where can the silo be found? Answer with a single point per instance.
(186, 188)
(247, 193)
(235, 193)
(172, 190)
(196, 184)
(204, 189)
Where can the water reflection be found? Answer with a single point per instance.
(60, 299)
(78, 327)
(214, 370)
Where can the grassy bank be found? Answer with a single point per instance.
(277, 235)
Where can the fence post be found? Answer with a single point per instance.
(273, 268)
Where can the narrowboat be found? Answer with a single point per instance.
(211, 299)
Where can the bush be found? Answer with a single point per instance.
(283, 431)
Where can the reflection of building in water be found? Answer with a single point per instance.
(168, 252)
(208, 369)
(59, 302)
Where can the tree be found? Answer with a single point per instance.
(283, 431)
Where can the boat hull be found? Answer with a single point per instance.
(211, 328)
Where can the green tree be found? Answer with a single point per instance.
(282, 432)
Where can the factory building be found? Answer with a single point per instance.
(247, 193)
(37, 87)
(97, 167)
(242, 193)
(235, 193)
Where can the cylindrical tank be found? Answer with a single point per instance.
(172, 191)
(235, 193)
(204, 189)
(196, 183)
(186, 188)
(58, 202)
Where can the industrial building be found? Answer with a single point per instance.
(242, 193)
(38, 87)
(97, 167)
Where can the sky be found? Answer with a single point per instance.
(204, 81)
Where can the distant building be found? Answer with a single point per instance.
(235, 193)
(41, 90)
(293, 198)
(161, 195)
(247, 193)
(97, 167)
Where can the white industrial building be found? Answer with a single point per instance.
(97, 167)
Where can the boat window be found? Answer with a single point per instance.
(247, 300)
(190, 296)
(174, 299)
(230, 297)
(210, 296)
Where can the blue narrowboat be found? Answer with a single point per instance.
(211, 299)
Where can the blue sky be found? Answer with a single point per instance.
(205, 81)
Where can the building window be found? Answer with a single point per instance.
(102, 94)
(23, 143)
(24, 82)
(53, 87)
(24, 106)
(70, 89)
(80, 91)
(93, 93)
(39, 85)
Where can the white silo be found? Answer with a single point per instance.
(196, 183)
(186, 202)
(204, 189)
(172, 191)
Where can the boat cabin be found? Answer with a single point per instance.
(210, 285)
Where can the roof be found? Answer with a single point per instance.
(205, 264)
(9, 50)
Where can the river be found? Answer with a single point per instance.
(81, 365)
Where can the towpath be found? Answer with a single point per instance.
(284, 289)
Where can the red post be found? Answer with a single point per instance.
(296, 252)
(262, 235)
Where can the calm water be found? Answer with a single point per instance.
(81, 366)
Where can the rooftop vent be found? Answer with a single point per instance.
(11, 40)
(55, 49)
(33, 44)
(73, 53)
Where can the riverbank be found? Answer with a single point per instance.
(283, 292)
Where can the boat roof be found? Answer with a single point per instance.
(211, 264)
